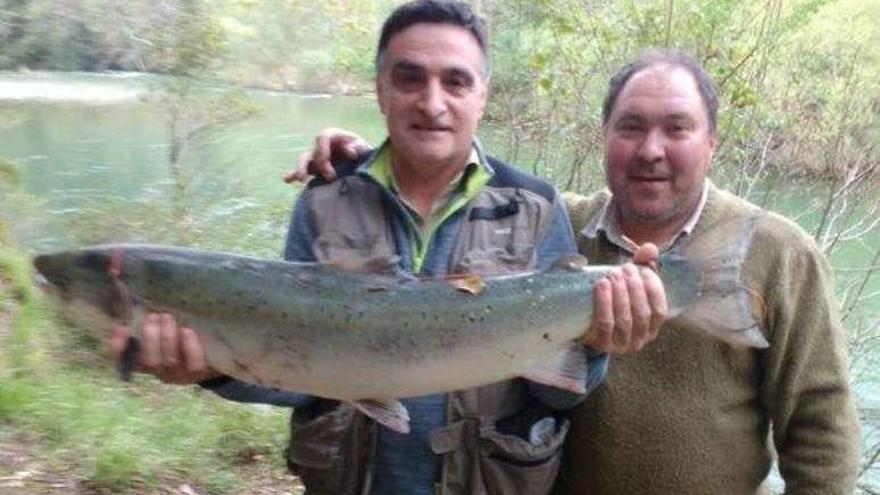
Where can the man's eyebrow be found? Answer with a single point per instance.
(679, 116)
(628, 115)
(406, 65)
(409, 65)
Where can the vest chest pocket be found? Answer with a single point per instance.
(336, 244)
(498, 238)
(349, 221)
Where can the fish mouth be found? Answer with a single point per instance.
(47, 278)
(40, 277)
(40, 281)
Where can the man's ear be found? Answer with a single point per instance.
(713, 140)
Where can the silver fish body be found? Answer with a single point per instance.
(350, 336)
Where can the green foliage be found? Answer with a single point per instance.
(9, 180)
(281, 44)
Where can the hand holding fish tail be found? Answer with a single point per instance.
(629, 307)
(170, 352)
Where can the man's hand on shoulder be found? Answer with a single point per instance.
(331, 145)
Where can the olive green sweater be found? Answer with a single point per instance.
(692, 415)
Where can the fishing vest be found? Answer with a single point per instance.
(485, 445)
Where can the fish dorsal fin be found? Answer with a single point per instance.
(572, 263)
(379, 265)
(566, 370)
(721, 304)
(388, 412)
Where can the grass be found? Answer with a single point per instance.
(58, 388)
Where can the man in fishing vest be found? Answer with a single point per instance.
(689, 414)
(434, 201)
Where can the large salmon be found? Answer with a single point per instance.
(371, 338)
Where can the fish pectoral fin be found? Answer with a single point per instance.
(567, 370)
(389, 413)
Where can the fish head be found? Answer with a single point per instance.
(84, 282)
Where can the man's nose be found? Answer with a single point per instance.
(433, 99)
(653, 147)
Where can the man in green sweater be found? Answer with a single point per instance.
(691, 415)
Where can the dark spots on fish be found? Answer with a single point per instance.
(546, 337)
(474, 318)
(507, 355)
(251, 308)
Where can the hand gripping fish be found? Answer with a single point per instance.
(369, 339)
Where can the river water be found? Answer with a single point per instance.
(92, 155)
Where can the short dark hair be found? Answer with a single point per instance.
(676, 58)
(434, 12)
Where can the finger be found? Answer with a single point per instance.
(150, 343)
(168, 340)
(358, 148)
(640, 307)
(116, 341)
(191, 348)
(301, 172)
(656, 295)
(646, 254)
(622, 314)
(322, 155)
(602, 324)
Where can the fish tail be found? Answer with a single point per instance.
(705, 287)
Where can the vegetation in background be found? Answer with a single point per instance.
(280, 44)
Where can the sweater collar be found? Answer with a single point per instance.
(605, 222)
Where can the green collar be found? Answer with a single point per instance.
(477, 174)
